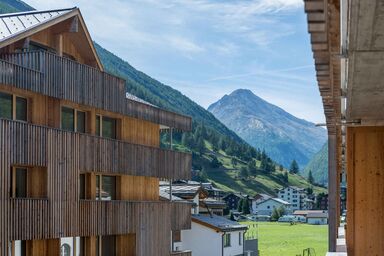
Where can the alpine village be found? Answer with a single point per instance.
(100, 159)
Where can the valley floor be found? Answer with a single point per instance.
(283, 239)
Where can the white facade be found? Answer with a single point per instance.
(293, 195)
(204, 241)
(318, 221)
(266, 207)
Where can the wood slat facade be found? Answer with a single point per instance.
(58, 77)
(64, 170)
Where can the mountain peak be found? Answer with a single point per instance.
(242, 92)
(266, 126)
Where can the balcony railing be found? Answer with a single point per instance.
(35, 145)
(42, 218)
(62, 78)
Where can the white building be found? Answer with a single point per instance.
(258, 199)
(317, 218)
(212, 235)
(293, 195)
(266, 207)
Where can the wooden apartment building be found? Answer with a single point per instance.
(80, 162)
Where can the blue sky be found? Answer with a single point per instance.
(208, 48)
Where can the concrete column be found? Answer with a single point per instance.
(333, 192)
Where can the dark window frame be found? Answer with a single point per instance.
(14, 106)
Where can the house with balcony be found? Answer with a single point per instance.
(296, 196)
(80, 162)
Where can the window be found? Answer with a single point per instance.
(82, 186)
(240, 238)
(105, 187)
(28, 182)
(227, 240)
(73, 120)
(19, 183)
(176, 235)
(18, 248)
(13, 107)
(268, 207)
(294, 200)
(106, 245)
(106, 127)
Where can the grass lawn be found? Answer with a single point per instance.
(282, 239)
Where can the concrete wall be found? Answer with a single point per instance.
(204, 241)
(317, 221)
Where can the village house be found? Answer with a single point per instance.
(293, 195)
(213, 236)
(266, 207)
(317, 218)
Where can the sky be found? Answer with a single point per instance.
(209, 48)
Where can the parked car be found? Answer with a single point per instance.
(287, 218)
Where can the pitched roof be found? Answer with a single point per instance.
(306, 212)
(13, 24)
(218, 223)
(16, 26)
(277, 200)
(184, 191)
(317, 215)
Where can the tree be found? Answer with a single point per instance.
(240, 205)
(231, 217)
(202, 176)
(215, 163)
(245, 206)
(286, 176)
(233, 161)
(200, 147)
(294, 168)
(244, 172)
(310, 177)
(278, 212)
(252, 167)
(281, 168)
(310, 190)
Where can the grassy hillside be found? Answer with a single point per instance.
(319, 166)
(7, 6)
(228, 176)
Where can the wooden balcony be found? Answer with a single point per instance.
(62, 78)
(46, 219)
(72, 153)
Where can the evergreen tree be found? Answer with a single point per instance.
(244, 172)
(231, 217)
(234, 161)
(309, 190)
(252, 169)
(200, 147)
(245, 206)
(286, 176)
(294, 168)
(310, 177)
(281, 168)
(215, 163)
(240, 205)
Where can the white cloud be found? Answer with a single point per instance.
(185, 45)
